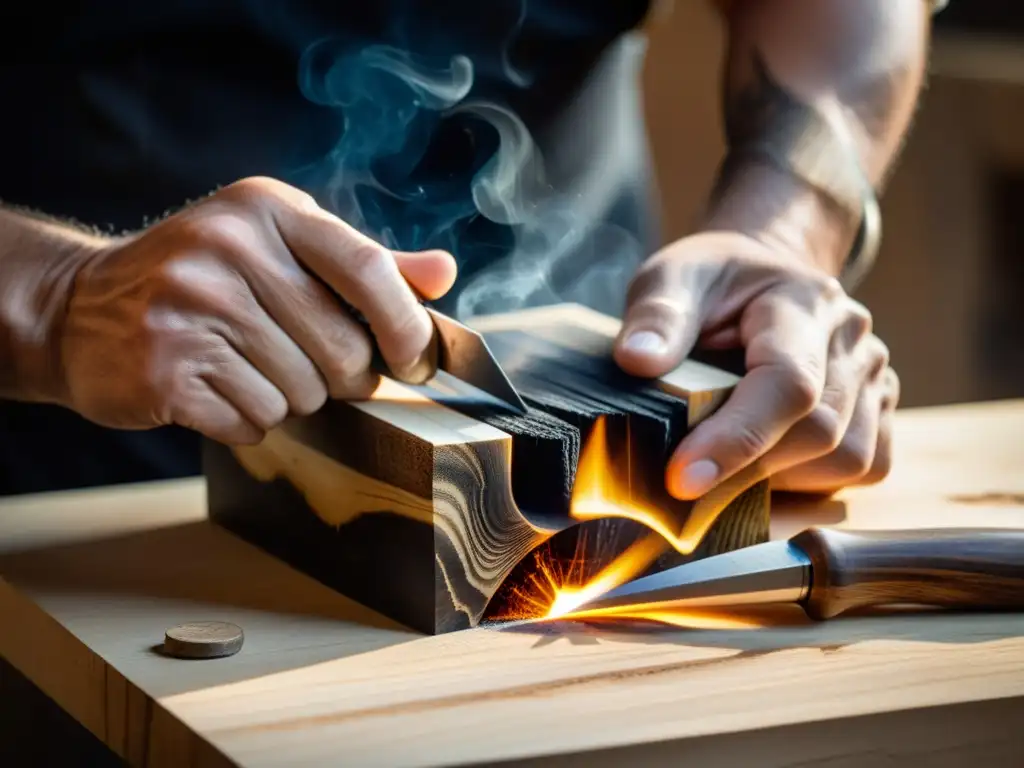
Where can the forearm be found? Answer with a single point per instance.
(38, 259)
(795, 67)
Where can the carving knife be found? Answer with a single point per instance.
(829, 571)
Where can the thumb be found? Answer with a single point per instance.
(661, 324)
(430, 273)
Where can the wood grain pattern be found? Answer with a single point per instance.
(420, 505)
(404, 506)
(955, 568)
(91, 580)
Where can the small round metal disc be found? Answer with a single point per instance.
(203, 640)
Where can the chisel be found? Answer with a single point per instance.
(455, 348)
(463, 353)
(828, 571)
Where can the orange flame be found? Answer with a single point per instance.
(596, 495)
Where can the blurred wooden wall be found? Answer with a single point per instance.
(928, 292)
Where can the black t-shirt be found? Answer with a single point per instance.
(507, 131)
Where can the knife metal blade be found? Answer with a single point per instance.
(829, 571)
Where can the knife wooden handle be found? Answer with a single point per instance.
(959, 568)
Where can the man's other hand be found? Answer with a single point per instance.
(815, 406)
(212, 319)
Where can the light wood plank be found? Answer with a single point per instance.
(92, 579)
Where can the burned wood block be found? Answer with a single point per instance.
(420, 506)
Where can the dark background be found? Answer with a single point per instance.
(986, 16)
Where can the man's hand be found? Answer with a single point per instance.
(818, 99)
(213, 320)
(815, 406)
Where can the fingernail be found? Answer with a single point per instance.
(645, 342)
(696, 479)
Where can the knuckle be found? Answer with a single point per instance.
(221, 237)
(310, 400)
(830, 289)
(232, 237)
(801, 386)
(824, 429)
(880, 468)
(878, 359)
(242, 312)
(343, 368)
(218, 292)
(749, 442)
(158, 322)
(859, 322)
(233, 307)
(410, 337)
(271, 412)
(224, 425)
(646, 279)
(349, 356)
(232, 429)
(265, 409)
(369, 263)
(236, 309)
(164, 339)
(213, 355)
(175, 277)
(854, 458)
(251, 191)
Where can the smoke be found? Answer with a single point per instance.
(423, 161)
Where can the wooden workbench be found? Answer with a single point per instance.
(92, 579)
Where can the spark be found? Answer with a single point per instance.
(626, 566)
(555, 590)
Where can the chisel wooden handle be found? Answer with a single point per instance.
(960, 568)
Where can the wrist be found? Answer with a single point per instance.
(790, 216)
(39, 261)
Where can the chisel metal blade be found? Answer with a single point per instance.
(774, 572)
(463, 353)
